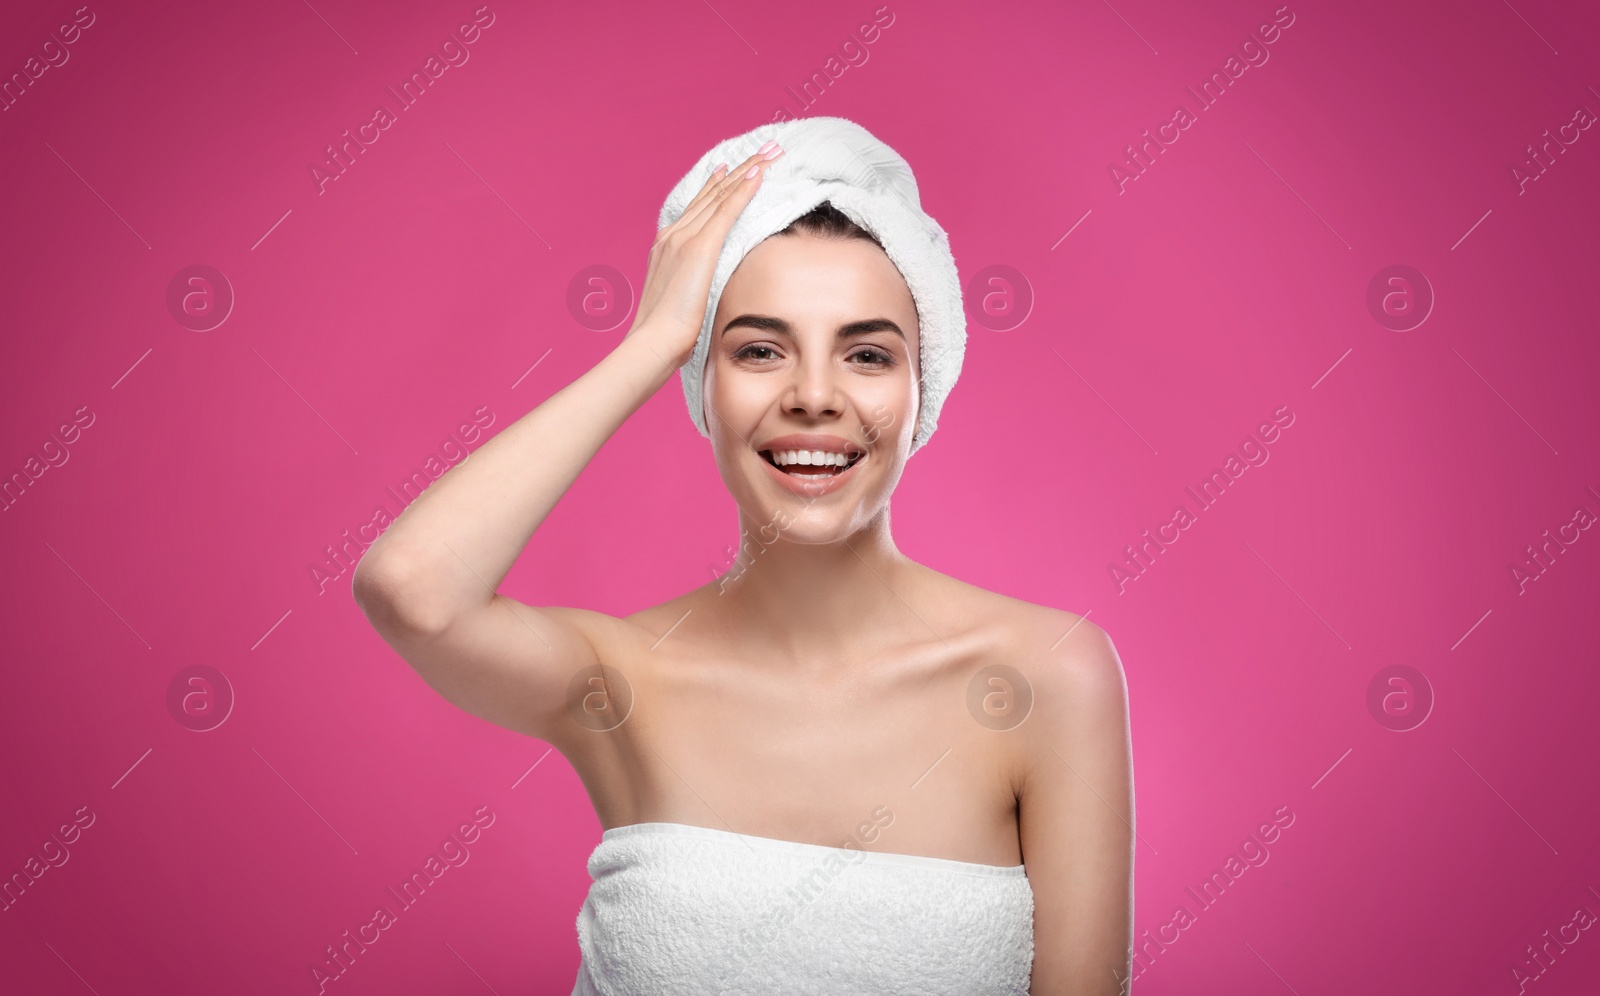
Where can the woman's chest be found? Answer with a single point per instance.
(883, 760)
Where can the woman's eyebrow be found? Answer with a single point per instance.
(769, 323)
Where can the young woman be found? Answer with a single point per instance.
(833, 769)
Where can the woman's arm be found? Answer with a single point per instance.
(1076, 817)
(428, 584)
(448, 551)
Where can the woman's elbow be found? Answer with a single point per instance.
(388, 596)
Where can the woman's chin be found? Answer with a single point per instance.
(804, 508)
(804, 522)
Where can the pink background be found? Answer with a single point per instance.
(373, 319)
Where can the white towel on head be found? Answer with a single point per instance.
(832, 159)
(679, 910)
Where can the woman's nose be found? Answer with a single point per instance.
(814, 389)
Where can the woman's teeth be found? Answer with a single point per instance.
(791, 461)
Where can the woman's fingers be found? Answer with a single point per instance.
(718, 188)
(734, 190)
(715, 187)
(709, 188)
(715, 184)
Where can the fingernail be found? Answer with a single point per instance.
(719, 167)
(770, 145)
(752, 171)
(777, 151)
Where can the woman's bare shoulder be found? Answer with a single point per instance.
(622, 637)
(1069, 663)
(617, 637)
(1062, 665)
(1017, 626)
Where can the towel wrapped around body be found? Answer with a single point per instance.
(679, 909)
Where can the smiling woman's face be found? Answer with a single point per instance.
(814, 349)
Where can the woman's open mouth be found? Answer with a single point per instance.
(811, 463)
(811, 473)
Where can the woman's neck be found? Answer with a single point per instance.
(815, 603)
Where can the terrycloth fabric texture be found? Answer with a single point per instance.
(832, 159)
(677, 909)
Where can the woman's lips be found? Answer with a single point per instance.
(811, 485)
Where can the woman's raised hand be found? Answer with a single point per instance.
(677, 286)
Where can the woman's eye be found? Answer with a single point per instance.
(751, 353)
(873, 357)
